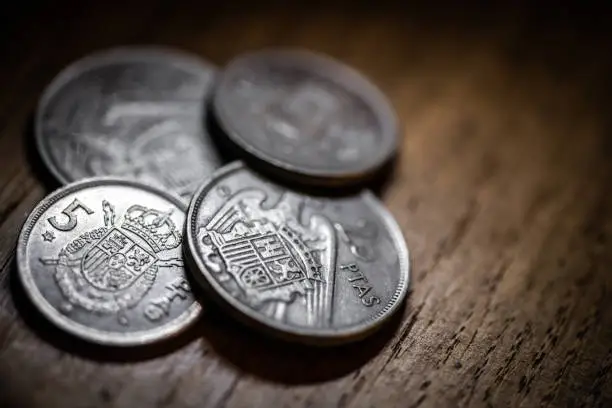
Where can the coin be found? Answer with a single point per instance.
(305, 114)
(310, 269)
(102, 259)
(129, 112)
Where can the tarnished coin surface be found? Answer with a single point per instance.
(306, 114)
(129, 112)
(313, 270)
(102, 259)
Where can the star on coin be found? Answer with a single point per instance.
(48, 236)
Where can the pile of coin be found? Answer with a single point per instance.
(149, 208)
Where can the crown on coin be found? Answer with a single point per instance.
(155, 227)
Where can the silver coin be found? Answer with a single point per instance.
(306, 114)
(102, 259)
(129, 112)
(313, 270)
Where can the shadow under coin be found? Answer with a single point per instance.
(64, 341)
(287, 363)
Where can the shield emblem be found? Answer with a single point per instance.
(272, 257)
(116, 261)
(261, 261)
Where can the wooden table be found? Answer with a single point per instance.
(501, 189)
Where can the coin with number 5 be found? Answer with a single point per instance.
(102, 259)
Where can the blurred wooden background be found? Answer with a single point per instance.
(501, 189)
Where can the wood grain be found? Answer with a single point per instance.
(501, 189)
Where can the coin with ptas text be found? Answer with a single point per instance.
(308, 269)
(129, 112)
(305, 115)
(102, 259)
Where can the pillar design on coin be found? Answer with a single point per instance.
(306, 114)
(136, 113)
(102, 259)
(319, 270)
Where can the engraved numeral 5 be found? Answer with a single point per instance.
(69, 212)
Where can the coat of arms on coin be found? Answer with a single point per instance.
(316, 270)
(271, 257)
(102, 258)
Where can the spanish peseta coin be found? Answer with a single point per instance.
(102, 259)
(306, 116)
(129, 112)
(308, 269)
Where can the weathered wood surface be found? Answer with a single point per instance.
(501, 189)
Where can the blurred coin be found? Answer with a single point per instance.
(313, 270)
(129, 112)
(307, 115)
(102, 259)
